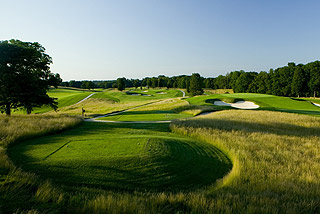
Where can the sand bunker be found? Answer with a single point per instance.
(316, 104)
(239, 104)
(161, 92)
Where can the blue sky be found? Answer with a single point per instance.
(95, 39)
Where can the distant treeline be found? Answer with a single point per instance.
(291, 80)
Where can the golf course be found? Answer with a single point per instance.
(156, 151)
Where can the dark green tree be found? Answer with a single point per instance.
(121, 83)
(87, 84)
(313, 69)
(25, 76)
(262, 82)
(170, 83)
(136, 83)
(196, 84)
(299, 84)
(220, 82)
(244, 81)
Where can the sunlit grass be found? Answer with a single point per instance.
(266, 102)
(276, 159)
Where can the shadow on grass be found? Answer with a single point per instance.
(276, 127)
(306, 112)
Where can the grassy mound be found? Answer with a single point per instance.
(133, 157)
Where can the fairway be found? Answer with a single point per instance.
(126, 157)
(266, 102)
(146, 116)
(65, 97)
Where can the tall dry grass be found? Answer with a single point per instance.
(19, 190)
(276, 169)
(276, 160)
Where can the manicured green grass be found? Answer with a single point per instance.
(266, 102)
(146, 116)
(66, 97)
(311, 100)
(154, 94)
(113, 100)
(127, 157)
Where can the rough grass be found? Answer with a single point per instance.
(276, 160)
(20, 190)
(276, 169)
(218, 91)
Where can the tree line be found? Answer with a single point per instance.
(291, 80)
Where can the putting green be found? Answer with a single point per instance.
(143, 157)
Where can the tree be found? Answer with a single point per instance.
(87, 84)
(121, 83)
(25, 76)
(244, 81)
(220, 82)
(196, 84)
(154, 82)
(262, 82)
(136, 83)
(299, 82)
(314, 72)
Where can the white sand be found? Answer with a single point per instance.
(316, 104)
(161, 92)
(239, 104)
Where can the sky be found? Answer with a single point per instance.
(104, 40)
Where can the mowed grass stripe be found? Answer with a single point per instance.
(124, 157)
(146, 116)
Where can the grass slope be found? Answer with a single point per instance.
(113, 100)
(266, 102)
(66, 97)
(122, 157)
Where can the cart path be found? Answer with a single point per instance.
(183, 93)
(85, 98)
